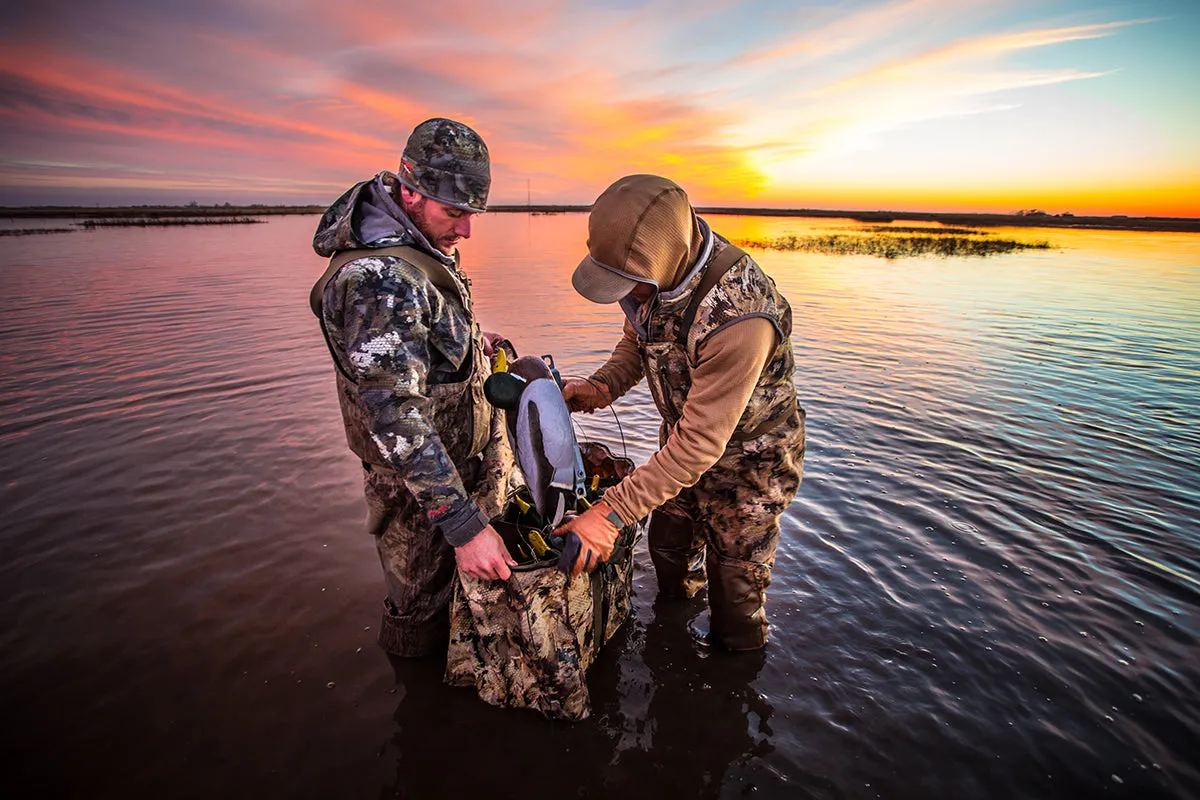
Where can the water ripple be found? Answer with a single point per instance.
(987, 585)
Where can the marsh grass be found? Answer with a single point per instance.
(896, 245)
(944, 231)
(148, 222)
(136, 222)
(34, 231)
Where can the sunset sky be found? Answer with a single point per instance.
(950, 105)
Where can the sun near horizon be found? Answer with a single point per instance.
(912, 105)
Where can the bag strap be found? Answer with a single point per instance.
(437, 273)
(601, 577)
(712, 273)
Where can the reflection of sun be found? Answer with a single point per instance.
(734, 228)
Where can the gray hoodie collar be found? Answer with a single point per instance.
(380, 215)
(705, 253)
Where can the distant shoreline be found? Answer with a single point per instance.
(1115, 223)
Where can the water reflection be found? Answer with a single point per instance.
(449, 743)
(994, 554)
(672, 720)
(703, 717)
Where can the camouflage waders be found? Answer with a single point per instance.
(730, 518)
(729, 522)
(418, 563)
(451, 441)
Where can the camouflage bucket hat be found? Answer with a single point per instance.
(449, 162)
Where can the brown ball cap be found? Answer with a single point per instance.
(639, 229)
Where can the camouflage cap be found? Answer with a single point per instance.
(447, 161)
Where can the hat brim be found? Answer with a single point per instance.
(599, 284)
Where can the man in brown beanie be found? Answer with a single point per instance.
(711, 334)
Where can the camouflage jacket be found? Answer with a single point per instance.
(411, 364)
(669, 354)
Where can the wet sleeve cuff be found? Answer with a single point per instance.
(461, 522)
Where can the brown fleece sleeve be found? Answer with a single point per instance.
(623, 369)
(730, 363)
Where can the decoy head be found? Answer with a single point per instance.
(503, 389)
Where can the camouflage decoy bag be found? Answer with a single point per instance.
(527, 642)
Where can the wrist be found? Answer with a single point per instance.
(464, 524)
(609, 513)
(605, 390)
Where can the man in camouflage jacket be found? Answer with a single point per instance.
(410, 364)
(710, 332)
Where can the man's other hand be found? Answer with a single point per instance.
(491, 342)
(585, 395)
(596, 536)
(485, 556)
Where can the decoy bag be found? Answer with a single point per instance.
(528, 642)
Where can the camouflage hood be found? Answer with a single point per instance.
(368, 216)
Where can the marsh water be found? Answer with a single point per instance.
(987, 586)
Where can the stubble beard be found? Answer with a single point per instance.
(416, 212)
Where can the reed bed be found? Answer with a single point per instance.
(891, 245)
(129, 222)
(942, 231)
(34, 231)
(154, 222)
(190, 211)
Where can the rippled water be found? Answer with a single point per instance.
(987, 586)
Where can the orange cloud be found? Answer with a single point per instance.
(94, 83)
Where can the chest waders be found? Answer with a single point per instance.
(454, 398)
(418, 563)
(723, 530)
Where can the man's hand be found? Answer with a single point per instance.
(585, 395)
(596, 535)
(485, 556)
(491, 341)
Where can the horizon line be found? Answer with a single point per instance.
(317, 208)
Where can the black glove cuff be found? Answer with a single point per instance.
(570, 552)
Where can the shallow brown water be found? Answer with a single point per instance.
(987, 586)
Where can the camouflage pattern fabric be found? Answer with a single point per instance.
(736, 505)
(528, 642)
(618, 584)
(410, 386)
(410, 409)
(418, 563)
(449, 162)
(525, 642)
(744, 291)
(337, 229)
(735, 509)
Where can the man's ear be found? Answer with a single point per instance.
(407, 196)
